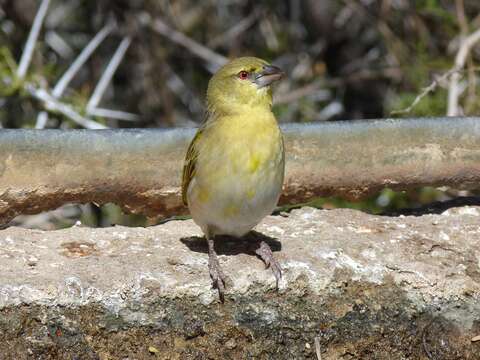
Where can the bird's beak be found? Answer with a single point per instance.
(268, 75)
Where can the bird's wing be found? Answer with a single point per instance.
(189, 165)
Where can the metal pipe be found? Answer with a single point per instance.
(140, 169)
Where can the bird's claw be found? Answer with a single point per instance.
(217, 276)
(216, 273)
(265, 253)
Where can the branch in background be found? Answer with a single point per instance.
(176, 84)
(58, 44)
(63, 82)
(294, 95)
(462, 20)
(53, 104)
(80, 60)
(32, 39)
(107, 75)
(454, 87)
(214, 59)
(42, 119)
(28, 52)
(318, 87)
(269, 34)
(114, 114)
(333, 109)
(62, 13)
(427, 90)
(235, 30)
(467, 42)
(51, 100)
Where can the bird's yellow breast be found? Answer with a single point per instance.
(239, 169)
(239, 148)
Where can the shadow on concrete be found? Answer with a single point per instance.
(229, 245)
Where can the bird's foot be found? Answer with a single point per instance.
(216, 273)
(266, 255)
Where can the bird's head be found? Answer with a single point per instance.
(242, 83)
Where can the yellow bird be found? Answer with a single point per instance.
(234, 167)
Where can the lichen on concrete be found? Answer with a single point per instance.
(361, 286)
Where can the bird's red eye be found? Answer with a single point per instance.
(243, 75)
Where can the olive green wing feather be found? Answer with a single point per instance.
(189, 165)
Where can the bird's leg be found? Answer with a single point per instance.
(216, 273)
(266, 254)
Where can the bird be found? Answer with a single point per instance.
(234, 166)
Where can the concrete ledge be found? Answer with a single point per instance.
(364, 286)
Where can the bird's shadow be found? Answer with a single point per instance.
(229, 245)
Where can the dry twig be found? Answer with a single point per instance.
(63, 82)
(462, 20)
(214, 59)
(235, 30)
(107, 75)
(53, 104)
(176, 84)
(32, 39)
(114, 114)
(51, 100)
(294, 95)
(58, 44)
(454, 87)
(80, 60)
(427, 90)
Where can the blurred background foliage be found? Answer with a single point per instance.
(345, 59)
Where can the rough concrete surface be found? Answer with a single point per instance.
(355, 286)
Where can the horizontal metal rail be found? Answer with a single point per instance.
(140, 170)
